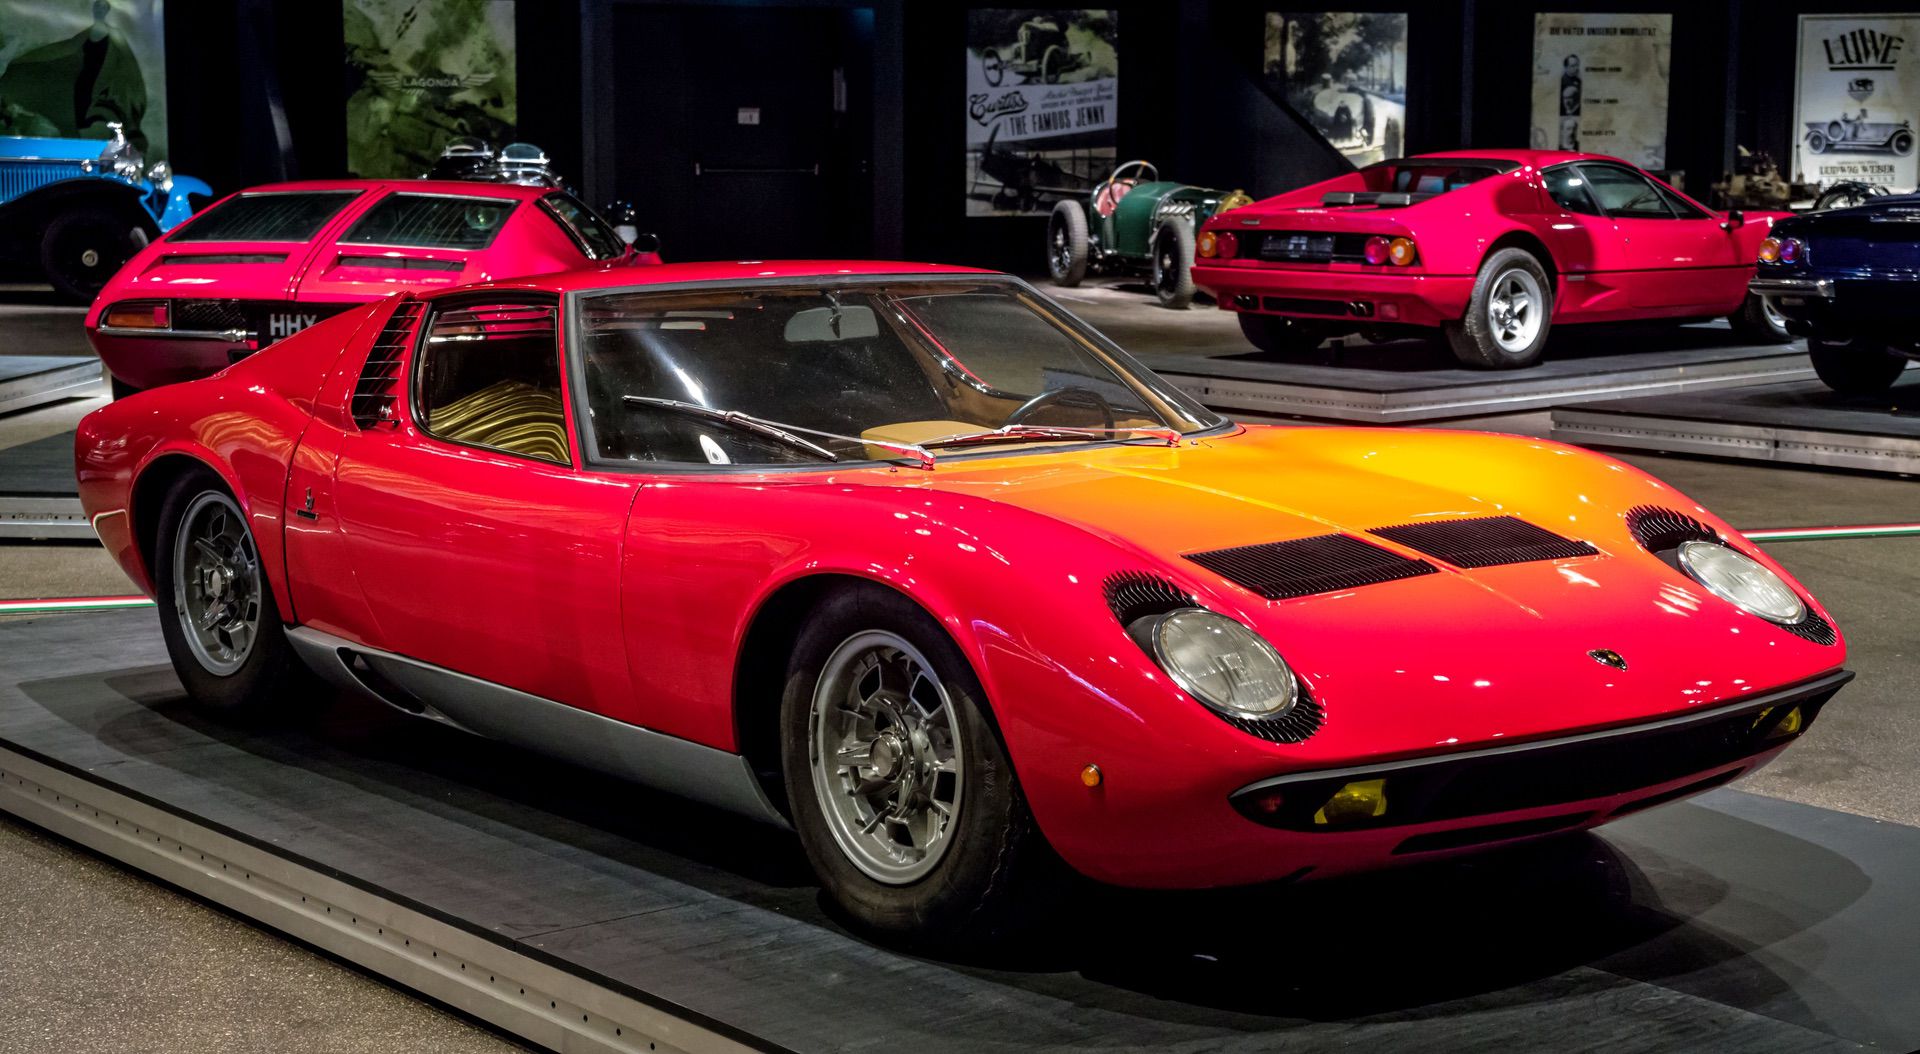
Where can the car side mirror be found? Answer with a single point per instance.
(1735, 218)
(643, 242)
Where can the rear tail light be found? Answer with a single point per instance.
(1206, 245)
(1791, 250)
(1380, 250)
(1782, 250)
(137, 314)
(1229, 245)
(1217, 244)
(1376, 251)
(1401, 252)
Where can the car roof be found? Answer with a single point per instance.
(463, 187)
(1535, 158)
(747, 272)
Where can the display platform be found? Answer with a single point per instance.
(1416, 380)
(37, 494)
(27, 381)
(1803, 423)
(587, 914)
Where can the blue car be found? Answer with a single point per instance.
(1848, 280)
(74, 210)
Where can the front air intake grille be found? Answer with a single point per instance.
(215, 315)
(1486, 541)
(1304, 566)
(373, 395)
(1134, 595)
(1658, 530)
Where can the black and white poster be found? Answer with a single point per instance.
(1600, 84)
(1858, 99)
(1346, 73)
(1042, 106)
(68, 68)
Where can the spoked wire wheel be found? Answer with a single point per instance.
(885, 751)
(1515, 310)
(216, 583)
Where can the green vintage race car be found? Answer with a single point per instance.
(1134, 223)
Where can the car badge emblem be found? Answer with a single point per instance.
(1608, 657)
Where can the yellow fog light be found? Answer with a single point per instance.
(1784, 726)
(1356, 802)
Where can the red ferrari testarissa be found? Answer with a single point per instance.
(910, 558)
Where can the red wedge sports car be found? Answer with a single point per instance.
(910, 558)
(1493, 247)
(267, 262)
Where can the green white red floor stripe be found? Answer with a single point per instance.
(56, 605)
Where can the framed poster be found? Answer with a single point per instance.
(1857, 100)
(1600, 84)
(1345, 72)
(68, 67)
(1042, 106)
(421, 73)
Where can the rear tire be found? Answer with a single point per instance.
(1508, 315)
(1859, 368)
(985, 872)
(1280, 336)
(83, 248)
(1173, 263)
(1757, 323)
(1067, 243)
(217, 613)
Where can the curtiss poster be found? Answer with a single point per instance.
(69, 67)
(1042, 95)
(1345, 72)
(421, 73)
(1858, 100)
(1600, 84)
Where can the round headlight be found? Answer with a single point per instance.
(1741, 581)
(1219, 662)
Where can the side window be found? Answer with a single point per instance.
(1625, 195)
(489, 376)
(1569, 190)
(588, 231)
(1681, 207)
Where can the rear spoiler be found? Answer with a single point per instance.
(1382, 198)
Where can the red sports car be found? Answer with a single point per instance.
(268, 262)
(1490, 246)
(911, 559)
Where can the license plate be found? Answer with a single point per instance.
(282, 324)
(1303, 245)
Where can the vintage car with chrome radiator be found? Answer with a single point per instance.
(910, 559)
(1848, 280)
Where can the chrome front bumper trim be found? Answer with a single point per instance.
(229, 336)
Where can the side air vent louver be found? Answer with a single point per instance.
(372, 402)
(1484, 541)
(1658, 530)
(1294, 726)
(1304, 566)
(1135, 594)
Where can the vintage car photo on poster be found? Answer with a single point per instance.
(1346, 73)
(907, 557)
(1042, 106)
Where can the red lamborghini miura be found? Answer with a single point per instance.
(1492, 247)
(910, 558)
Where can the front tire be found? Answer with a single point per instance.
(1173, 263)
(1859, 368)
(899, 787)
(1067, 250)
(83, 248)
(1508, 315)
(1759, 322)
(217, 612)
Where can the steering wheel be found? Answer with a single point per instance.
(1108, 194)
(1086, 398)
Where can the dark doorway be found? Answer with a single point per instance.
(743, 132)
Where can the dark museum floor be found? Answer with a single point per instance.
(98, 958)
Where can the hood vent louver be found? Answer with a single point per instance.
(1305, 566)
(1485, 541)
(373, 395)
(1658, 530)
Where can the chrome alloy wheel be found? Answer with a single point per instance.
(1515, 309)
(216, 583)
(1774, 317)
(884, 746)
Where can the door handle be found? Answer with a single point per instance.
(708, 170)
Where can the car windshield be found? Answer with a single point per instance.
(863, 370)
(1425, 178)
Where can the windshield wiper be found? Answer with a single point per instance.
(1047, 433)
(778, 431)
